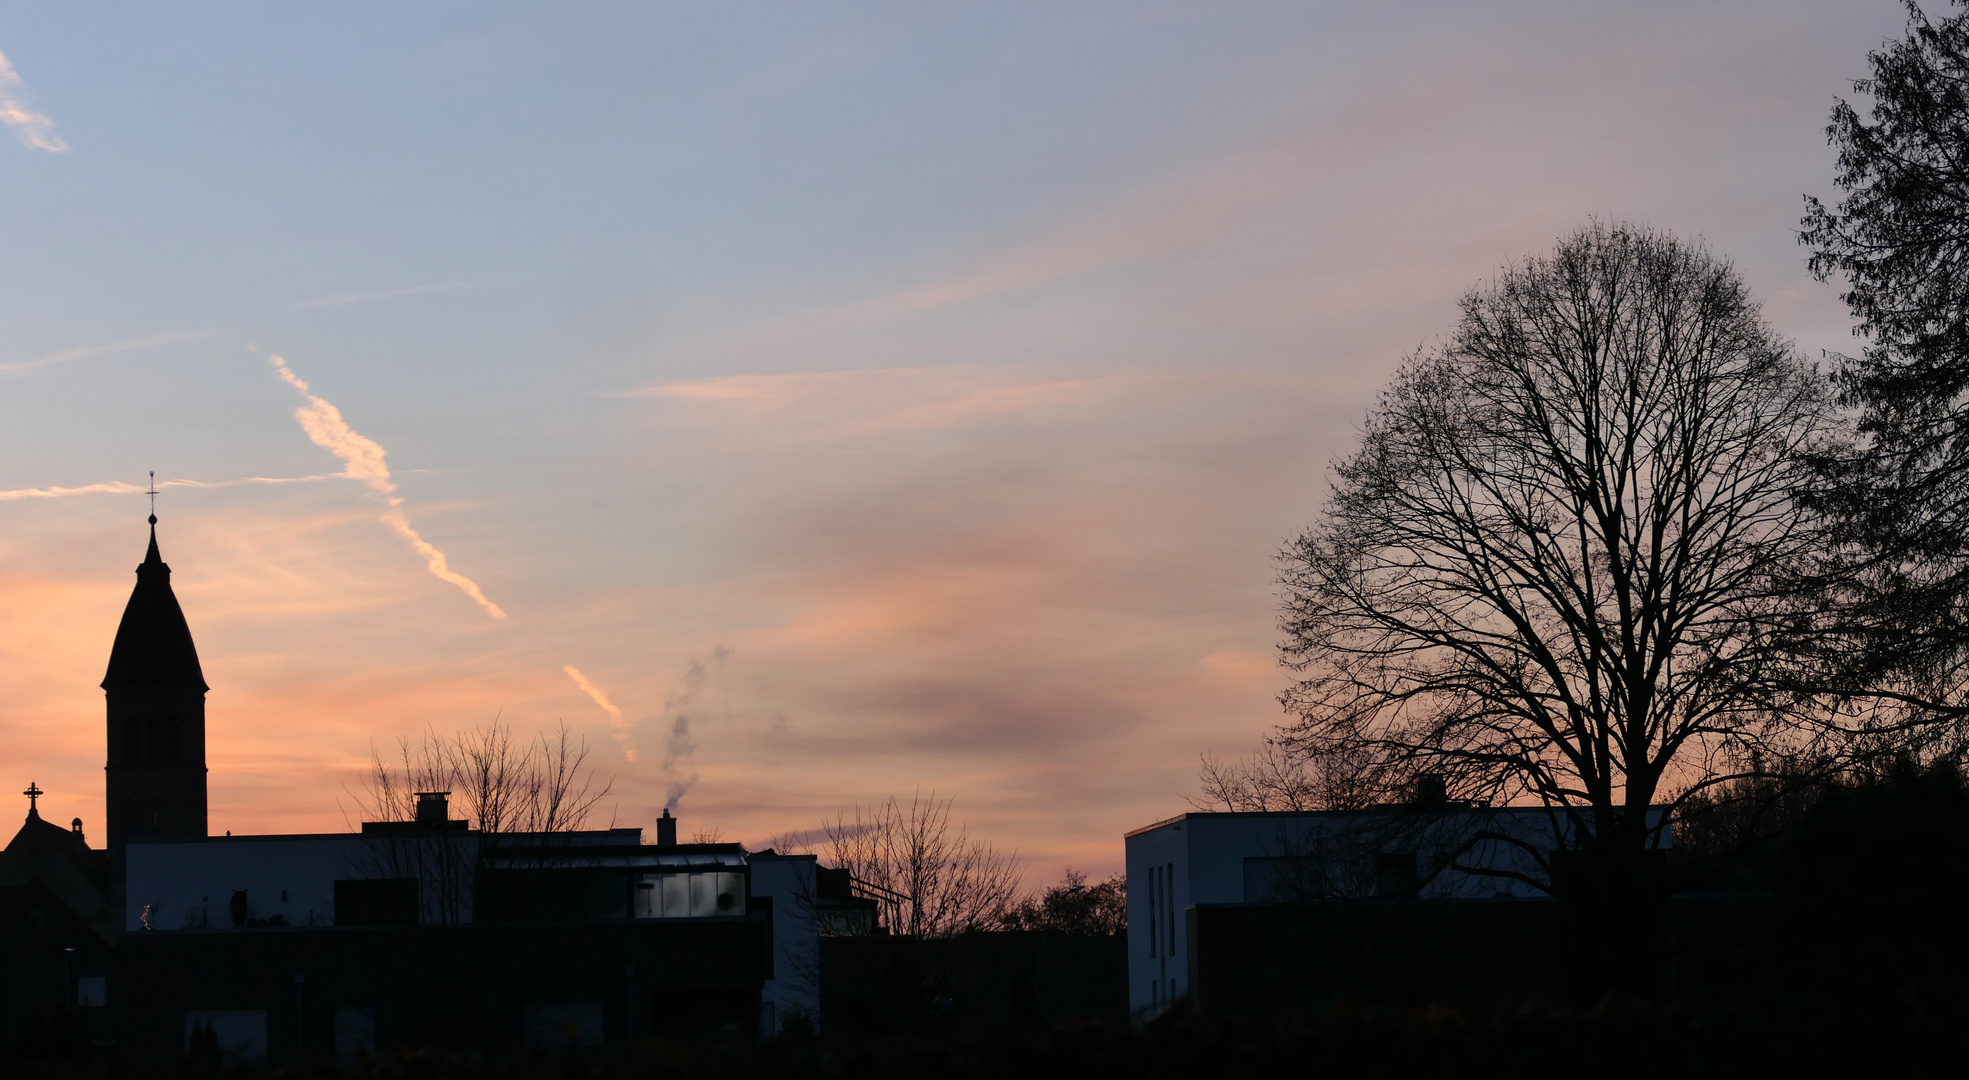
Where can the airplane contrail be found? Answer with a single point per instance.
(364, 460)
(117, 487)
(620, 723)
(32, 128)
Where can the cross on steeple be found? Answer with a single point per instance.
(33, 792)
(152, 492)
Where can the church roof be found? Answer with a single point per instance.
(153, 643)
(61, 861)
(37, 841)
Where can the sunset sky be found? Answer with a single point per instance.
(807, 403)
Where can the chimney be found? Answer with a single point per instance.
(666, 830)
(433, 808)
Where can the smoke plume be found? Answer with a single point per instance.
(679, 748)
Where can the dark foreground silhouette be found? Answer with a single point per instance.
(1612, 1039)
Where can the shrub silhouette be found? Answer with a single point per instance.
(1870, 890)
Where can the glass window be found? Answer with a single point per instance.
(363, 902)
(1169, 901)
(1284, 879)
(355, 1033)
(235, 1033)
(704, 894)
(92, 991)
(690, 895)
(731, 893)
(1394, 874)
(676, 896)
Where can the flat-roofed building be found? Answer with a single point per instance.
(1184, 872)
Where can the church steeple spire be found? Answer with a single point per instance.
(152, 556)
(153, 643)
(156, 698)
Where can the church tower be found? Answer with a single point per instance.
(156, 697)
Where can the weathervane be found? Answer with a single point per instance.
(152, 492)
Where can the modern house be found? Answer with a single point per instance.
(582, 938)
(1317, 900)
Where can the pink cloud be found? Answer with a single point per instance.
(879, 399)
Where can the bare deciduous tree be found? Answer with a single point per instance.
(1725, 821)
(542, 787)
(1282, 778)
(949, 883)
(1558, 568)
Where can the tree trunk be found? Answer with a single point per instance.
(1610, 903)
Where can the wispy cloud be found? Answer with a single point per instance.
(343, 299)
(364, 460)
(33, 129)
(887, 398)
(84, 352)
(615, 717)
(118, 487)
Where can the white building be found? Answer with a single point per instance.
(438, 872)
(1425, 852)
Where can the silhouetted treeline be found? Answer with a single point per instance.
(1871, 887)
(1074, 907)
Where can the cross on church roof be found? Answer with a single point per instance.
(33, 792)
(152, 492)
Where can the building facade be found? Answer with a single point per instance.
(1185, 873)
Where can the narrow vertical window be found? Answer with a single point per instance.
(1169, 882)
(1155, 927)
